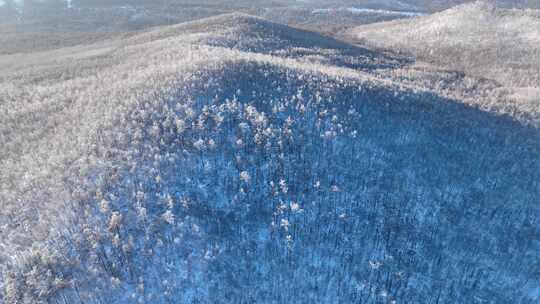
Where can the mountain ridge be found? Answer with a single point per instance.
(179, 166)
(491, 42)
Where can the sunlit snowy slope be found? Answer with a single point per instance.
(234, 160)
(478, 38)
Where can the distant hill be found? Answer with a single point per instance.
(479, 38)
(438, 5)
(421, 5)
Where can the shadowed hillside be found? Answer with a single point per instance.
(235, 160)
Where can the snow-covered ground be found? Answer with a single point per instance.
(356, 10)
(236, 160)
(478, 38)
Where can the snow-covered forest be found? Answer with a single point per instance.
(233, 159)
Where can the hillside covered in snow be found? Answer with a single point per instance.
(479, 38)
(236, 160)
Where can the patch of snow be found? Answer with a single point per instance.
(356, 10)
